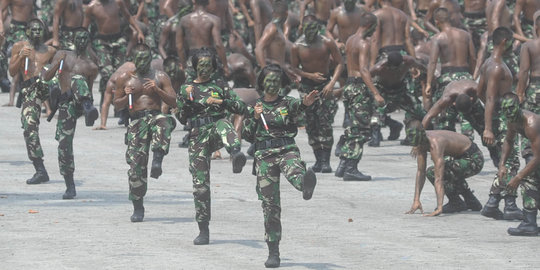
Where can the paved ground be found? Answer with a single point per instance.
(345, 226)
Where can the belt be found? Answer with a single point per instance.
(392, 48)
(534, 79)
(201, 121)
(454, 69)
(310, 82)
(143, 113)
(193, 52)
(274, 143)
(17, 22)
(354, 80)
(68, 28)
(110, 37)
(475, 15)
(29, 82)
(527, 21)
(472, 149)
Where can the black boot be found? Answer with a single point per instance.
(54, 95)
(470, 200)
(455, 204)
(325, 161)
(309, 181)
(491, 209)
(204, 234)
(318, 156)
(346, 118)
(341, 168)
(511, 211)
(90, 112)
(375, 136)
(70, 187)
(238, 160)
(138, 211)
(339, 144)
(41, 175)
(273, 255)
(185, 142)
(528, 226)
(351, 172)
(395, 128)
(251, 150)
(156, 170)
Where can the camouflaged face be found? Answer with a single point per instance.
(35, 31)
(142, 60)
(417, 136)
(271, 83)
(205, 68)
(81, 39)
(311, 30)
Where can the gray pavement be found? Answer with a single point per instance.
(347, 225)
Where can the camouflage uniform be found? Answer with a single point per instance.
(156, 23)
(34, 92)
(15, 33)
(532, 103)
(148, 130)
(530, 190)
(210, 131)
(360, 107)
(528, 27)
(476, 24)
(66, 38)
(319, 116)
(110, 50)
(457, 169)
(398, 97)
(69, 109)
(276, 152)
(46, 12)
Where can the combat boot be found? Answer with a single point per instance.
(351, 172)
(41, 175)
(491, 209)
(339, 144)
(204, 234)
(325, 161)
(454, 204)
(528, 226)
(511, 211)
(156, 170)
(251, 150)
(273, 260)
(70, 187)
(309, 181)
(138, 211)
(90, 112)
(375, 136)
(395, 128)
(238, 160)
(318, 156)
(5, 85)
(341, 168)
(470, 200)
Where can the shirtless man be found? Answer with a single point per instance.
(447, 175)
(198, 30)
(527, 124)
(148, 89)
(68, 15)
(347, 20)
(495, 81)
(455, 49)
(76, 78)
(109, 43)
(322, 10)
(455, 17)
(313, 52)
(167, 39)
(262, 15)
(361, 94)
(27, 60)
(475, 19)
(524, 25)
(220, 8)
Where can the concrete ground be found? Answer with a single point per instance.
(347, 225)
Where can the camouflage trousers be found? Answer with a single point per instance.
(33, 96)
(203, 141)
(319, 118)
(360, 108)
(383, 52)
(46, 12)
(69, 109)
(150, 132)
(66, 38)
(476, 24)
(16, 33)
(110, 51)
(152, 39)
(269, 163)
(456, 170)
(532, 103)
(530, 190)
(397, 98)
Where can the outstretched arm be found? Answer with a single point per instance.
(436, 109)
(419, 184)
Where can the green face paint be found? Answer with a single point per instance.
(311, 29)
(172, 70)
(272, 83)
(349, 5)
(369, 32)
(35, 31)
(142, 61)
(510, 109)
(416, 136)
(81, 40)
(205, 68)
(508, 44)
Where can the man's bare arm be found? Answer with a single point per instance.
(429, 15)
(375, 44)
(245, 12)
(120, 97)
(481, 55)
(265, 40)
(59, 8)
(163, 38)
(331, 24)
(472, 55)
(88, 15)
(436, 109)
(131, 19)
(433, 58)
(336, 55)
(49, 74)
(523, 75)
(216, 35)
(166, 92)
(517, 11)
(421, 158)
(168, 8)
(303, 6)
(363, 63)
(180, 43)
(491, 98)
(3, 5)
(529, 167)
(408, 41)
(17, 59)
(257, 17)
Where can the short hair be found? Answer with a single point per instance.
(271, 68)
(416, 35)
(441, 14)
(500, 34)
(201, 53)
(170, 60)
(142, 47)
(463, 103)
(309, 18)
(280, 6)
(202, 2)
(367, 19)
(35, 20)
(395, 59)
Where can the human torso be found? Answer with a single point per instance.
(197, 27)
(73, 14)
(454, 47)
(22, 10)
(143, 99)
(392, 24)
(314, 57)
(475, 6)
(348, 22)
(275, 52)
(107, 17)
(219, 8)
(533, 48)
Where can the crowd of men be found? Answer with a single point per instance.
(475, 63)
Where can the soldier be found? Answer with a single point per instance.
(77, 73)
(167, 38)
(271, 126)
(27, 60)
(322, 9)
(454, 13)
(203, 103)
(145, 91)
(455, 158)
(313, 52)
(68, 15)
(495, 81)
(527, 124)
(346, 18)
(525, 26)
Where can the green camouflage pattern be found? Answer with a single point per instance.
(532, 103)
(46, 12)
(360, 108)
(33, 96)
(111, 55)
(15, 33)
(397, 98)
(448, 118)
(66, 40)
(151, 132)
(528, 29)
(476, 26)
(530, 186)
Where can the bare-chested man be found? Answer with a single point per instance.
(167, 39)
(475, 20)
(347, 20)
(109, 43)
(527, 124)
(495, 81)
(524, 23)
(262, 15)
(27, 60)
(220, 8)
(145, 91)
(455, 49)
(312, 51)
(76, 75)
(322, 10)
(447, 175)
(361, 94)
(455, 17)
(68, 15)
